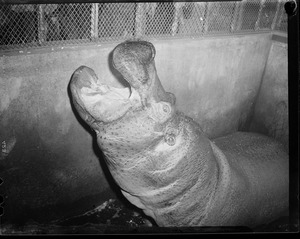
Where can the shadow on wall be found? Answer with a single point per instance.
(271, 108)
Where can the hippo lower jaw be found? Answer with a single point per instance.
(96, 101)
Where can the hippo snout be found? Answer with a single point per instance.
(135, 61)
(97, 102)
(134, 52)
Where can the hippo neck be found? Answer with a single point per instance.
(212, 176)
(125, 138)
(162, 192)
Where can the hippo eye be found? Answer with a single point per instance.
(170, 139)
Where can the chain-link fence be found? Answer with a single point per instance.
(61, 24)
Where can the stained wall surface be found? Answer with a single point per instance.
(271, 108)
(49, 159)
(215, 80)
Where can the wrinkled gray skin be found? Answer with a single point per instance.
(161, 159)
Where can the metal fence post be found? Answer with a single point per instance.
(177, 16)
(281, 16)
(207, 11)
(236, 17)
(42, 26)
(276, 15)
(139, 20)
(94, 21)
(241, 16)
(256, 27)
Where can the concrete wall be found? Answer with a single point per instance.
(49, 160)
(214, 80)
(271, 108)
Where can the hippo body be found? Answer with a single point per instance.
(162, 160)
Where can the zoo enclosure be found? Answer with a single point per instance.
(215, 80)
(26, 26)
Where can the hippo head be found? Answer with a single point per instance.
(127, 120)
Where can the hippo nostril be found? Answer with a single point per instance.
(166, 108)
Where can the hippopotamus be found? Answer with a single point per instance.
(162, 160)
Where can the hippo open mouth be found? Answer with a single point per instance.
(97, 101)
(102, 102)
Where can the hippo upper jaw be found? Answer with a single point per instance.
(98, 102)
(135, 61)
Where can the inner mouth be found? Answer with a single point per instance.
(102, 101)
(107, 91)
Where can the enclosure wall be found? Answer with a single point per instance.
(49, 156)
(271, 108)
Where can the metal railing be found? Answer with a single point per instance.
(61, 24)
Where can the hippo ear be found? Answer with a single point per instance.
(153, 51)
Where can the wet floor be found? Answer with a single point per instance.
(113, 217)
(111, 212)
